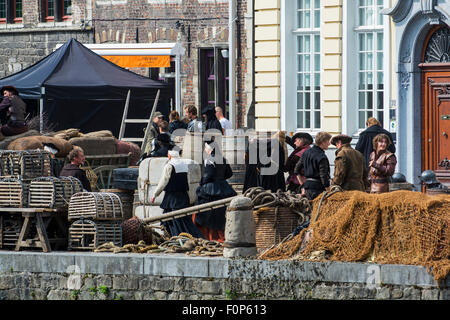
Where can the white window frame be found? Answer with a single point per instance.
(288, 70)
(350, 69)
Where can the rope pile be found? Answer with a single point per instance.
(262, 198)
(183, 243)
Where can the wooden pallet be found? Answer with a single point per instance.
(52, 192)
(88, 234)
(14, 192)
(96, 206)
(27, 164)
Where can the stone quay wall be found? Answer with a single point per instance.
(107, 276)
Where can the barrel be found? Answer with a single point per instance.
(126, 198)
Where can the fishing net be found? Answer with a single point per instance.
(400, 227)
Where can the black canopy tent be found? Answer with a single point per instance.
(80, 89)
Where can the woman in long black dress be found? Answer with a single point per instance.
(174, 183)
(213, 187)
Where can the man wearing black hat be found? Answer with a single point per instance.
(16, 109)
(301, 142)
(211, 122)
(350, 172)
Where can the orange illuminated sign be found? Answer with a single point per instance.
(140, 61)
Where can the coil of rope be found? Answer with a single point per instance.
(265, 198)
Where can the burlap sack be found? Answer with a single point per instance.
(68, 133)
(36, 142)
(123, 147)
(101, 133)
(8, 139)
(95, 145)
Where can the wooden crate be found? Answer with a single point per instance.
(88, 234)
(14, 192)
(96, 206)
(52, 192)
(26, 164)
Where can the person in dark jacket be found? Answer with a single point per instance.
(264, 163)
(211, 122)
(174, 183)
(315, 167)
(350, 172)
(301, 142)
(164, 145)
(72, 169)
(365, 144)
(382, 164)
(213, 187)
(15, 110)
(175, 123)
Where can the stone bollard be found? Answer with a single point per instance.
(240, 229)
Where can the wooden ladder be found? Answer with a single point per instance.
(125, 121)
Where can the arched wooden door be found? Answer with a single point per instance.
(436, 104)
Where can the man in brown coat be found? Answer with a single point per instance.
(350, 172)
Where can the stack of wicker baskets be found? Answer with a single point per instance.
(96, 220)
(17, 171)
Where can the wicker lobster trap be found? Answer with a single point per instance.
(27, 164)
(88, 234)
(13, 192)
(96, 206)
(273, 224)
(52, 192)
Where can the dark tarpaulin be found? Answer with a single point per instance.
(76, 72)
(82, 88)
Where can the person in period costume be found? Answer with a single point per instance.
(211, 122)
(301, 142)
(365, 145)
(264, 163)
(162, 146)
(350, 172)
(174, 183)
(381, 164)
(315, 167)
(175, 122)
(213, 187)
(72, 169)
(15, 110)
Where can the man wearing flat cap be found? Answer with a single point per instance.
(350, 172)
(154, 132)
(16, 109)
(301, 142)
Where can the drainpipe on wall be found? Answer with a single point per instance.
(232, 60)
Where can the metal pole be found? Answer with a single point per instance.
(231, 61)
(189, 211)
(178, 84)
(41, 110)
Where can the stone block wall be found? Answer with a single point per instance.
(88, 276)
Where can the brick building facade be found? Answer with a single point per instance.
(200, 26)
